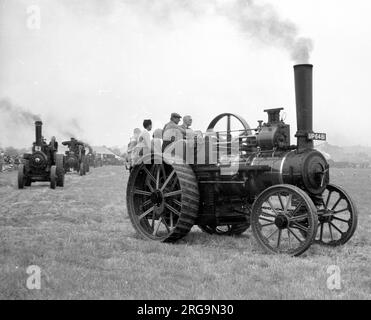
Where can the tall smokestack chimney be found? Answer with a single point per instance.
(304, 104)
(38, 129)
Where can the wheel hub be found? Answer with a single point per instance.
(325, 218)
(281, 222)
(157, 197)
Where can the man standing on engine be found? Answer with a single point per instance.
(188, 132)
(172, 131)
(145, 139)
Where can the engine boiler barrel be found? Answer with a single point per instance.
(38, 130)
(308, 170)
(304, 104)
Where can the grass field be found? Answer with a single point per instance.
(82, 239)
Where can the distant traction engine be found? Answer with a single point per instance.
(43, 164)
(75, 158)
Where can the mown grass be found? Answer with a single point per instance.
(83, 241)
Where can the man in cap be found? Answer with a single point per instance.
(186, 125)
(53, 144)
(172, 131)
(71, 144)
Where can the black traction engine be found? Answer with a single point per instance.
(233, 179)
(76, 158)
(43, 164)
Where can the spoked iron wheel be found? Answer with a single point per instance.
(162, 200)
(337, 217)
(227, 134)
(60, 169)
(53, 177)
(28, 182)
(284, 220)
(226, 230)
(229, 117)
(82, 169)
(21, 176)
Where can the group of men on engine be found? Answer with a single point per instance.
(141, 142)
(173, 131)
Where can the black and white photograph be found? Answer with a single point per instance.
(185, 154)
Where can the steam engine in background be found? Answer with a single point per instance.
(43, 164)
(91, 157)
(76, 158)
(282, 191)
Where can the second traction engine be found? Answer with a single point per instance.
(42, 164)
(235, 179)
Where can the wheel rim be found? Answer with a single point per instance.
(156, 201)
(229, 116)
(53, 177)
(225, 137)
(284, 220)
(337, 217)
(21, 176)
(60, 179)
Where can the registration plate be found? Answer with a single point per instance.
(317, 136)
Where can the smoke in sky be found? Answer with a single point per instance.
(18, 122)
(263, 22)
(18, 115)
(257, 21)
(72, 129)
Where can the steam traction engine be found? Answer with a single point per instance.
(43, 164)
(257, 179)
(75, 158)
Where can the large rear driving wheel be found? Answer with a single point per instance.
(162, 200)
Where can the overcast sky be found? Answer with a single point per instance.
(96, 69)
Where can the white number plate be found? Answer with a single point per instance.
(317, 136)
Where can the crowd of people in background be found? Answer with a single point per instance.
(9, 162)
(142, 142)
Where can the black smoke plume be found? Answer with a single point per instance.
(17, 125)
(258, 21)
(262, 21)
(17, 114)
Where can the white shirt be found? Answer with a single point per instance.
(144, 142)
